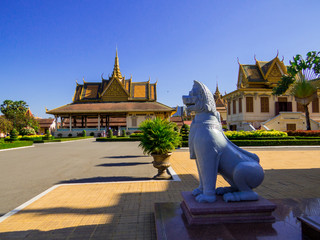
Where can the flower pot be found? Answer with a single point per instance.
(161, 162)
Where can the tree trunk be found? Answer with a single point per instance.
(306, 110)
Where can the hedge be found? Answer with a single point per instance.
(254, 134)
(117, 139)
(310, 133)
(15, 144)
(275, 142)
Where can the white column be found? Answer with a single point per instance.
(70, 123)
(99, 122)
(56, 123)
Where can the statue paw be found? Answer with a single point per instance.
(240, 196)
(231, 197)
(223, 190)
(202, 198)
(197, 191)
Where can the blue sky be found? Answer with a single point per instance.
(45, 46)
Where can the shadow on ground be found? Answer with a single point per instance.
(127, 156)
(123, 164)
(104, 179)
(132, 215)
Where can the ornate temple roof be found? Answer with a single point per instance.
(262, 74)
(115, 89)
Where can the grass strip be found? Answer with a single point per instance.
(15, 144)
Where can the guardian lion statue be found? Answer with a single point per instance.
(214, 153)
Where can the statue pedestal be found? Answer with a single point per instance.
(221, 212)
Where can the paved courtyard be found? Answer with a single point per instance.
(124, 210)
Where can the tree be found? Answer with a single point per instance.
(5, 125)
(299, 80)
(15, 112)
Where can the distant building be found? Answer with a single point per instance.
(98, 104)
(252, 105)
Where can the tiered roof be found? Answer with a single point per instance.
(115, 89)
(263, 74)
(113, 95)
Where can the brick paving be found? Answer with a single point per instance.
(124, 210)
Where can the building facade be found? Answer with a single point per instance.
(103, 103)
(252, 105)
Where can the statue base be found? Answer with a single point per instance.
(221, 212)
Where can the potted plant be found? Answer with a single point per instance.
(159, 139)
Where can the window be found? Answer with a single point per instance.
(240, 105)
(134, 121)
(234, 106)
(229, 108)
(264, 104)
(315, 105)
(300, 107)
(249, 104)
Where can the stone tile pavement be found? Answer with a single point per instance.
(124, 210)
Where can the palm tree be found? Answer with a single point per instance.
(299, 81)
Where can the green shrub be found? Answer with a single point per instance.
(275, 142)
(27, 131)
(309, 133)
(159, 136)
(70, 135)
(118, 139)
(124, 133)
(59, 135)
(14, 134)
(84, 133)
(136, 135)
(92, 134)
(110, 133)
(184, 132)
(253, 134)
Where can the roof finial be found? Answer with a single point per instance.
(255, 58)
(282, 59)
(277, 53)
(238, 60)
(116, 69)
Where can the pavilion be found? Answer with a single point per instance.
(117, 103)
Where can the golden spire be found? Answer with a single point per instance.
(116, 69)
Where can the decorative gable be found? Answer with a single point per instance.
(114, 92)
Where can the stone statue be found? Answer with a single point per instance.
(214, 153)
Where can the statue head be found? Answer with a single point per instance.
(200, 99)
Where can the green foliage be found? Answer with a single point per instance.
(184, 132)
(70, 135)
(27, 131)
(14, 134)
(124, 133)
(309, 68)
(159, 136)
(84, 133)
(254, 134)
(92, 134)
(5, 125)
(15, 112)
(110, 133)
(290, 142)
(136, 135)
(117, 139)
(303, 89)
(315, 133)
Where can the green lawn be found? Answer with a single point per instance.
(15, 144)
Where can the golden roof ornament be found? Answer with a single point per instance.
(116, 69)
